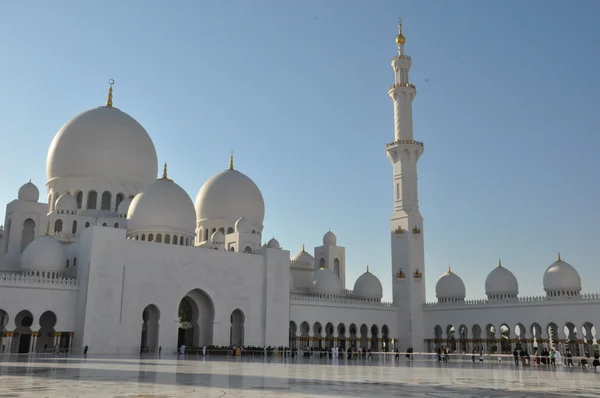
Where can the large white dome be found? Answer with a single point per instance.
(450, 287)
(103, 142)
(230, 195)
(45, 253)
(501, 284)
(562, 277)
(162, 207)
(326, 282)
(368, 286)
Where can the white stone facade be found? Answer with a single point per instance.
(118, 261)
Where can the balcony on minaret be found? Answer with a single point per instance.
(400, 274)
(416, 230)
(418, 274)
(399, 231)
(402, 85)
(404, 142)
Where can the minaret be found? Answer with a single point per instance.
(408, 263)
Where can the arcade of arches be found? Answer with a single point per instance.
(504, 339)
(196, 316)
(316, 336)
(31, 336)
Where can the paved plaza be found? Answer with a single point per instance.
(168, 376)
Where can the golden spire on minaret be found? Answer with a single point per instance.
(400, 39)
(231, 159)
(165, 176)
(110, 93)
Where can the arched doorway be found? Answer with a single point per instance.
(45, 339)
(149, 338)
(22, 336)
(28, 233)
(236, 331)
(196, 316)
(374, 338)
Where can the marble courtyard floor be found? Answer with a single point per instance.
(151, 377)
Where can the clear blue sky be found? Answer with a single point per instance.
(506, 105)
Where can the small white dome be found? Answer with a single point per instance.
(326, 282)
(562, 276)
(368, 286)
(124, 206)
(162, 206)
(217, 238)
(230, 195)
(303, 258)
(66, 202)
(329, 239)
(501, 282)
(102, 142)
(450, 287)
(273, 244)
(29, 192)
(45, 253)
(243, 225)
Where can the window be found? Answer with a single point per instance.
(116, 225)
(167, 238)
(87, 224)
(229, 230)
(119, 199)
(106, 198)
(58, 224)
(91, 201)
(74, 228)
(79, 198)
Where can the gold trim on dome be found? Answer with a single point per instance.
(109, 100)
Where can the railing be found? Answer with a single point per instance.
(18, 279)
(525, 299)
(330, 298)
(413, 142)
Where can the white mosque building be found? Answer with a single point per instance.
(112, 259)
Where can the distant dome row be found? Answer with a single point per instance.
(560, 280)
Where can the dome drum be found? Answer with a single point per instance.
(168, 237)
(561, 279)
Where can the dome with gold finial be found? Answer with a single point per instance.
(450, 288)
(229, 196)
(103, 142)
(303, 258)
(368, 286)
(326, 282)
(561, 279)
(501, 284)
(29, 192)
(66, 202)
(400, 39)
(163, 207)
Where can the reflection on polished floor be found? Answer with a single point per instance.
(168, 376)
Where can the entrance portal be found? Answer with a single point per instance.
(196, 315)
